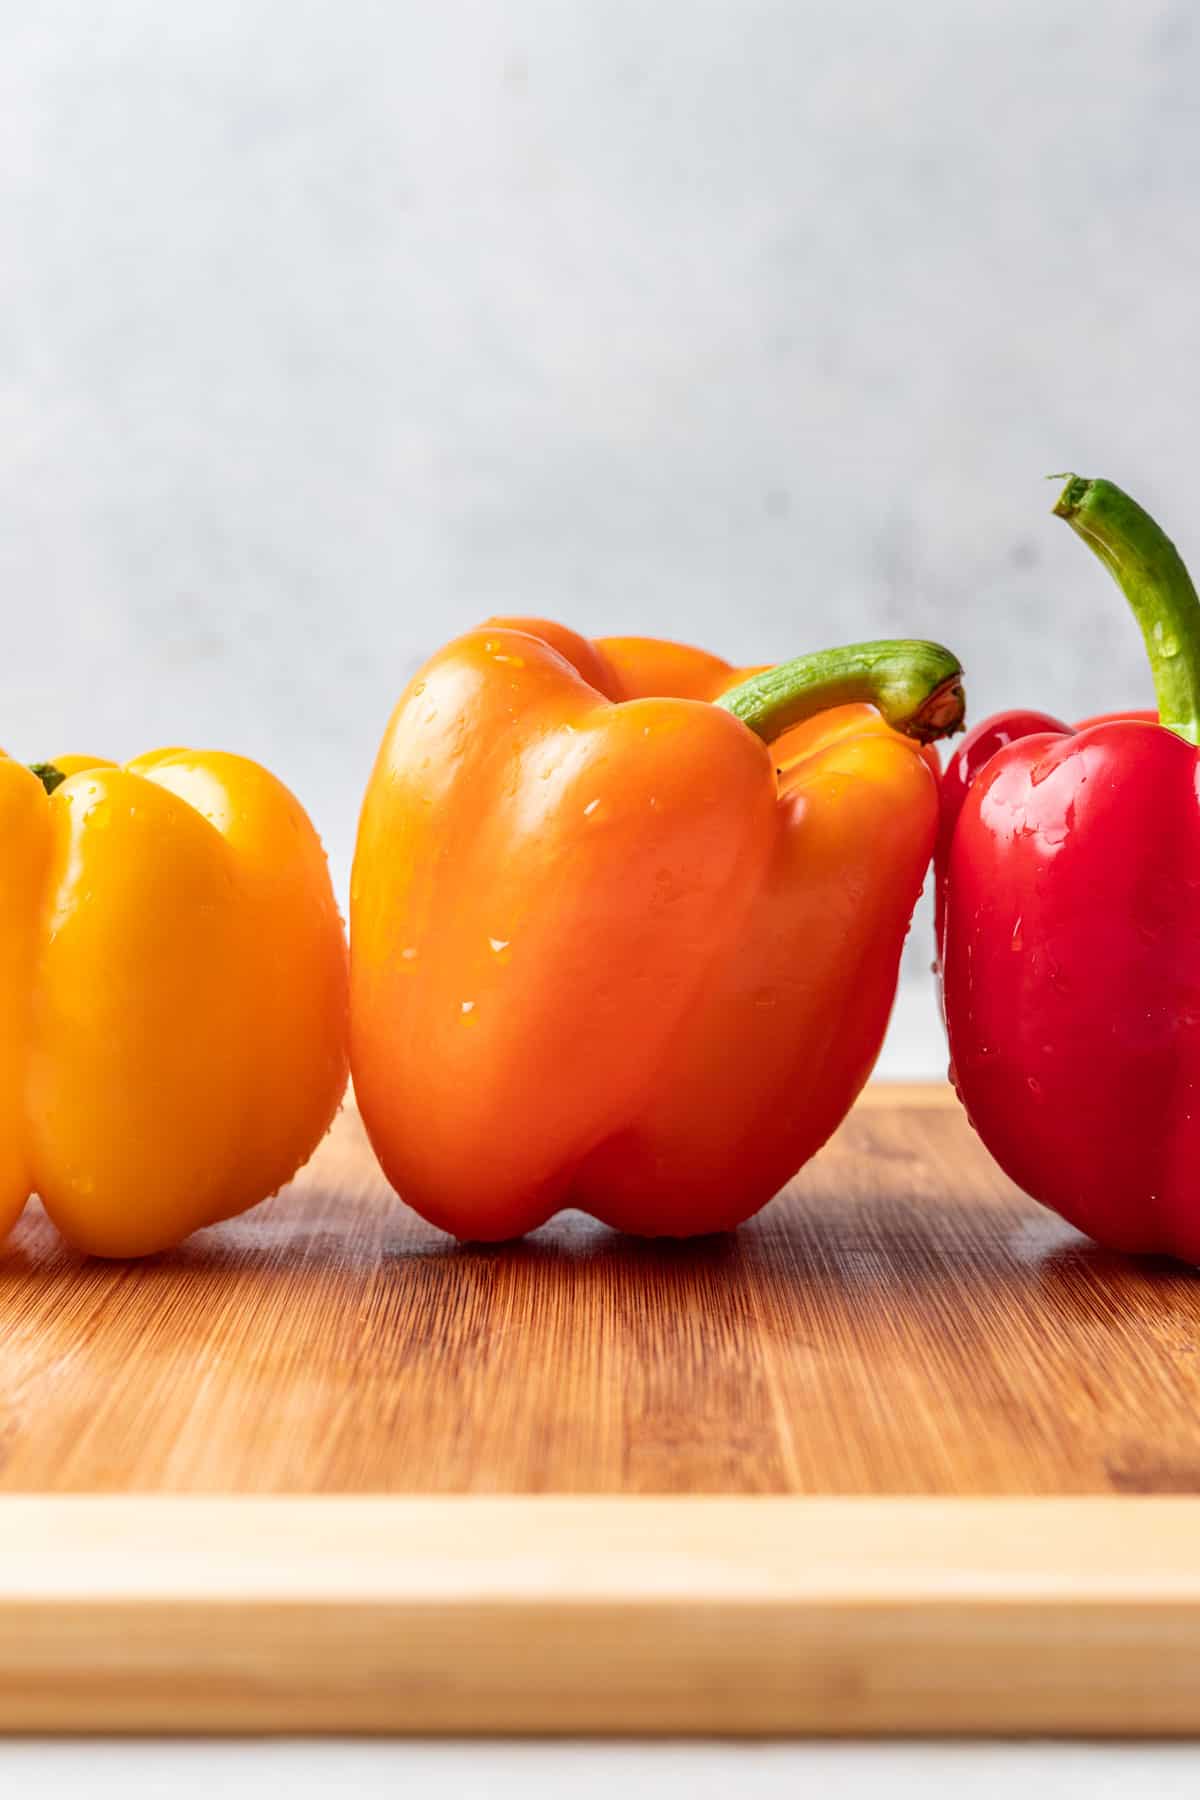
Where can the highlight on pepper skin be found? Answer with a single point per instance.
(173, 994)
(626, 922)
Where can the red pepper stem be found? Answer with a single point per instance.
(915, 685)
(1150, 572)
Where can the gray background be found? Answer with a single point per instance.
(597, 1771)
(328, 330)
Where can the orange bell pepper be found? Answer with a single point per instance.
(173, 994)
(617, 948)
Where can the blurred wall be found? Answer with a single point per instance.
(327, 330)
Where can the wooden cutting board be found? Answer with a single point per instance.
(255, 1483)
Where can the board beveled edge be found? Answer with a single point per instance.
(713, 1616)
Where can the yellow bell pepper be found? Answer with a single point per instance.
(173, 994)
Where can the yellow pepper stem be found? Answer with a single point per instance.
(48, 775)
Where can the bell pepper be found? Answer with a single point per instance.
(173, 994)
(1069, 938)
(625, 927)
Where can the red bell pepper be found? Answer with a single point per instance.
(1069, 924)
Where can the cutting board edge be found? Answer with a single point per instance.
(579, 1615)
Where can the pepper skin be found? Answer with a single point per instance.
(1069, 873)
(976, 750)
(608, 949)
(173, 995)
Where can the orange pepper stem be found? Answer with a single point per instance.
(48, 775)
(917, 687)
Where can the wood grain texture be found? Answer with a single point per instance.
(901, 1321)
(561, 1615)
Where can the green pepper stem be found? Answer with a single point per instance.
(1150, 572)
(48, 775)
(916, 686)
